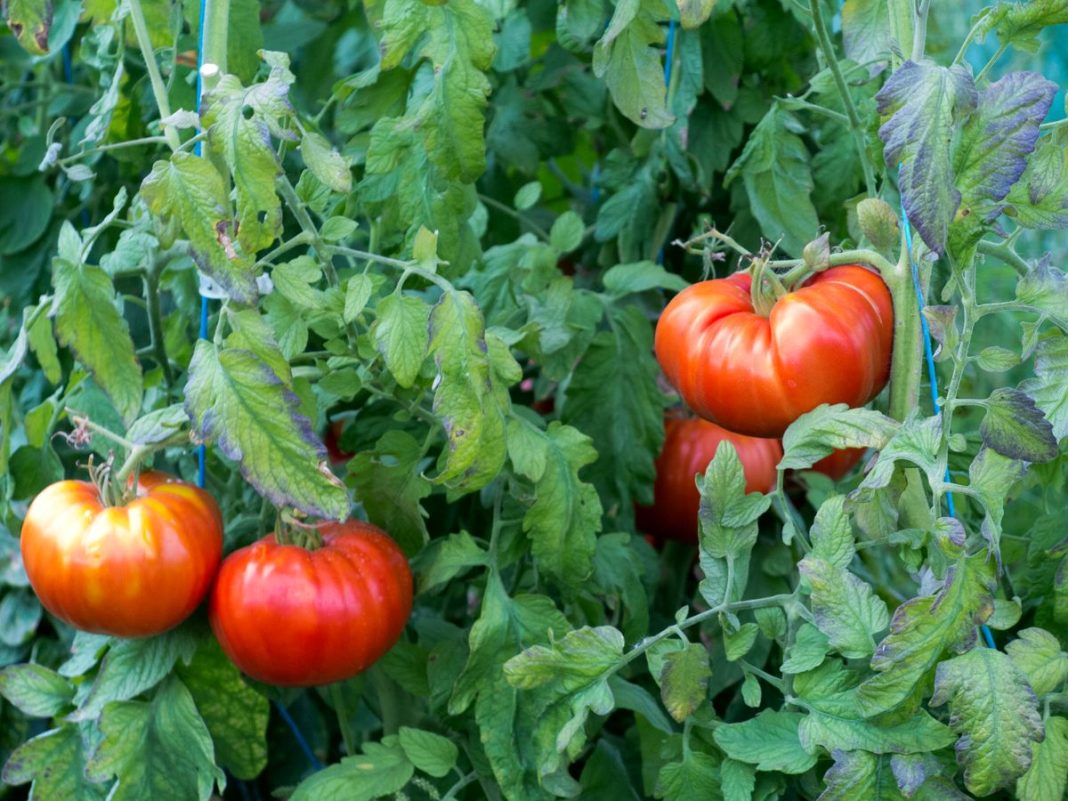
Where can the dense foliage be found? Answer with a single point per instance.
(440, 233)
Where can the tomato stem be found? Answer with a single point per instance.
(908, 347)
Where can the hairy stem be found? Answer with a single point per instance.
(155, 324)
(159, 91)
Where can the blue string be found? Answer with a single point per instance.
(202, 451)
(932, 376)
(292, 724)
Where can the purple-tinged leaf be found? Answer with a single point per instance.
(1000, 135)
(1040, 199)
(922, 103)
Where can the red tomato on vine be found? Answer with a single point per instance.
(296, 617)
(130, 570)
(827, 342)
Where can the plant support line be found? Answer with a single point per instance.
(928, 353)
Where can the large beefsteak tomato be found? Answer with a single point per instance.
(689, 445)
(132, 570)
(827, 342)
(295, 617)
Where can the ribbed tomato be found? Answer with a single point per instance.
(840, 462)
(827, 342)
(132, 570)
(689, 445)
(295, 617)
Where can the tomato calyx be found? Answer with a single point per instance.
(766, 288)
(290, 529)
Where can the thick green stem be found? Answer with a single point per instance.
(905, 366)
(216, 32)
(159, 91)
(919, 32)
(155, 324)
(1004, 252)
(843, 89)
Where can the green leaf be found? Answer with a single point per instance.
(158, 426)
(728, 516)
(1038, 654)
(469, 397)
(572, 661)
(382, 768)
(866, 29)
(527, 195)
(629, 63)
(20, 612)
(917, 442)
(43, 345)
(844, 607)
(35, 690)
(997, 359)
(921, 104)
(1045, 780)
(770, 741)
(618, 372)
(1040, 198)
(31, 22)
(684, 680)
(55, 763)
(1020, 24)
(389, 484)
(88, 322)
(160, 750)
(325, 162)
(235, 714)
(565, 517)
(1015, 427)
(357, 292)
(338, 229)
(431, 753)
(237, 401)
(244, 38)
(918, 734)
(828, 428)
(992, 477)
(738, 643)
(401, 335)
(860, 776)
(776, 169)
(832, 533)
(922, 629)
(625, 279)
(737, 780)
(996, 713)
(296, 280)
(1049, 387)
(131, 667)
(192, 191)
(694, 776)
(447, 557)
(566, 233)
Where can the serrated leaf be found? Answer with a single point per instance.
(31, 22)
(565, 517)
(832, 533)
(528, 449)
(468, 397)
(624, 279)
(1015, 427)
(828, 428)
(859, 776)
(160, 750)
(43, 344)
(996, 140)
(192, 191)
(296, 280)
(995, 359)
(88, 322)
(770, 741)
(737, 780)
(921, 104)
(684, 680)
(236, 715)
(694, 776)
(629, 64)
(402, 336)
(618, 372)
(325, 162)
(572, 661)
(236, 400)
(381, 769)
(566, 233)
(922, 629)
(866, 29)
(389, 484)
(429, 752)
(1049, 387)
(55, 763)
(738, 643)
(35, 690)
(1020, 24)
(447, 557)
(1047, 777)
(996, 713)
(916, 441)
(728, 516)
(357, 293)
(1040, 198)
(776, 169)
(918, 734)
(844, 607)
(1038, 654)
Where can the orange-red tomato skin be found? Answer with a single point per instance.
(130, 571)
(827, 342)
(295, 617)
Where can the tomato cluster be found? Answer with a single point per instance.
(283, 613)
(750, 376)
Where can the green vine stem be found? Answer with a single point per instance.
(907, 352)
(159, 91)
(843, 89)
(216, 32)
(155, 323)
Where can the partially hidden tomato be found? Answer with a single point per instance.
(840, 462)
(689, 445)
(332, 440)
(827, 342)
(295, 617)
(132, 570)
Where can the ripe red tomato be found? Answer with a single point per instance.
(689, 445)
(840, 462)
(332, 440)
(295, 617)
(132, 570)
(827, 342)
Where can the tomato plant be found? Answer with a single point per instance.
(498, 240)
(295, 617)
(132, 569)
(755, 373)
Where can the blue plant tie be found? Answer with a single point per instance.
(292, 724)
(928, 353)
(202, 451)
